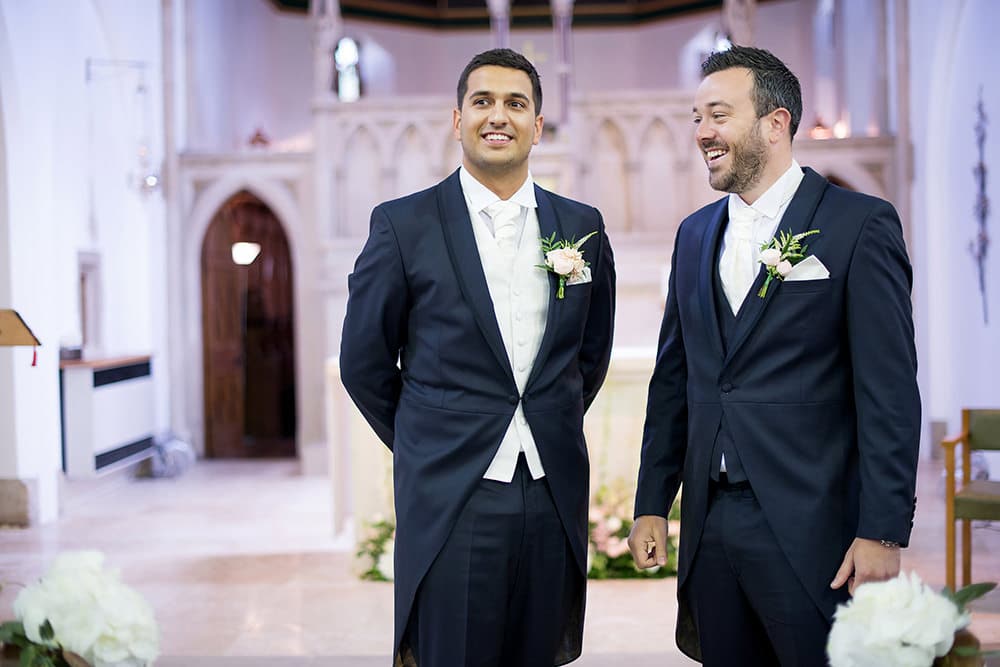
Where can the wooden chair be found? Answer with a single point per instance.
(977, 499)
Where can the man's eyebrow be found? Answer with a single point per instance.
(479, 93)
(710, 105)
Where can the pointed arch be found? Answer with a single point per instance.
(361, 181)
(657, 180)
(607, 178)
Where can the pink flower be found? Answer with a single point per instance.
(770, 256)
(617, 547)
(783, 267)
(566, 261)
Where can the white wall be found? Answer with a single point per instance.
(951, 57)
(249, 67)
(70, 149)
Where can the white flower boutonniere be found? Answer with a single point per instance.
(565, 259)
(780, 254)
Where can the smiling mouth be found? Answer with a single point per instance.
(497, 138)
(715, 154)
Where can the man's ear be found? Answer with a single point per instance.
(456, 124)
(779, 124)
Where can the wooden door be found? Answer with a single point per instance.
(248, 335)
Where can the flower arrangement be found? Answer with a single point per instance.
(80, 615)
(565, 259)
(610, 522)
(902, 622)
(379, 547)
(780, 254)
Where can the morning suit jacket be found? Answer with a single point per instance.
(418, 295)
(817, 385)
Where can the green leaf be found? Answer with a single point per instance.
(28, 655)
(11, 630)
(972, 592)
(46, 632)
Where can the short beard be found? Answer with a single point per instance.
(749, 160)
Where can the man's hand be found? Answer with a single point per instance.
(648, 541)
(866, 560)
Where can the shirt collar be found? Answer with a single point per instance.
(479, 196)
(769, 204)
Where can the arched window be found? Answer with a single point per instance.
(348, 78)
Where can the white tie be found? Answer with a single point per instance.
(505, 216)
(736, 266)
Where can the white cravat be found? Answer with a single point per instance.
(737, 266)
(505, 216)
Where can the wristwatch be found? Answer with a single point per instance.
(889, 544)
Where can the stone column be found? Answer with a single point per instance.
(500, 22)
(327, 27)
(562, 22)
(738, 20)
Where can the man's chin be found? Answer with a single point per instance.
(720, 181)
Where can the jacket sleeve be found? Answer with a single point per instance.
(884, 366)
(375, 328)
(664, 437)
(595, 352)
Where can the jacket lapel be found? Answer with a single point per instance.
(464, 254)
(797, 219)
(548, 223)
(708, 264)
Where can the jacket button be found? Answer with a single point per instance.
(513, 399)
(726, 387)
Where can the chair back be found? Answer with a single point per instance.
(984, 429)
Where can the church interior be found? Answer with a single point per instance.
(184, 187)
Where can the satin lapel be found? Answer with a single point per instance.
(548, 223)
(708, 263)
(464, 255)
(797, 219)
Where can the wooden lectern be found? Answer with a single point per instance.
(13, 330)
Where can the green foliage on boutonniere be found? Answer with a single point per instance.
(780, 254)
(565, 259)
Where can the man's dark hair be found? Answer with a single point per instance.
(502, 58)
(774, 85)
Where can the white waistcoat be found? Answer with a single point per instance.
(520, 294)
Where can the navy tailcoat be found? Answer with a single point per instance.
(423, 358)
(817, 384)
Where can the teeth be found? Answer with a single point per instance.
(714, 153)
(497, 137)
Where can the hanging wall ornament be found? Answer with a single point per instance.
(979, 246)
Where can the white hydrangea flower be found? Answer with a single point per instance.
(385, 561)
(92, 613)
(897, 623)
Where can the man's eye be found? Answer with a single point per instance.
(518, 105)
(696, 120)
(718, 116)
(479, 102)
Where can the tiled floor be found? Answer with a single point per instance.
(237, 559)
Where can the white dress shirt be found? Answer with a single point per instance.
(769, 209)
(520, 294)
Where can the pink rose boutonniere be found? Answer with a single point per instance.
(780, 254)
(565, 259)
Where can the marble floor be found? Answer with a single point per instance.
(239, 563)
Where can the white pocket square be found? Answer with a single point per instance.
(584, 277)
(808, 269)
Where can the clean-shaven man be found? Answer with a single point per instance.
(784, 395)
(475, 367)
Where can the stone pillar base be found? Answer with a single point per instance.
(18, 503)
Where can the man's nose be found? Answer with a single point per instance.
(703, 131)
(498, 114)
